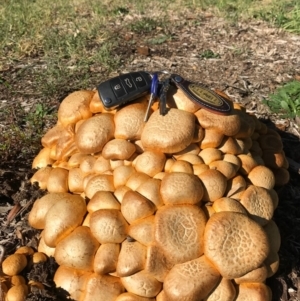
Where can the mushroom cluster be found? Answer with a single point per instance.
(176, 208)
(13, 285)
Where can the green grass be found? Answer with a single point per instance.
(64, 44)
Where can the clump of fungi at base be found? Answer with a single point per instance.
(176, 208)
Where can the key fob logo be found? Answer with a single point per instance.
(128, 83)
(205, 95)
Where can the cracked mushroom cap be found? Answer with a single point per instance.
(106, 258)
(170, 133)
(179, 231)
(181, 188)
(75, 107)
(192, 280)
(77, 250)
(262, 176)
(259, 204)
(224, 291)
(235, 244)
(118, 149)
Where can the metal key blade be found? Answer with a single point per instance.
(163, 96)
(154, 87)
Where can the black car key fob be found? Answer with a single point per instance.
(122, 89)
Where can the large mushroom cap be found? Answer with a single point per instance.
(235, 244)
(170, 133)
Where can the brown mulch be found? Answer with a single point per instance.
(247, 60)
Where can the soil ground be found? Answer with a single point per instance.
(246, 60)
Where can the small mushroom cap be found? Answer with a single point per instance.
(135, 206)
(75, 107)
(157, 264)
(184, 103)
(75, 180)
(228, 125)
(212, 139)
(38, 257)
(101, 165)
(230, 145)
(182, 166)
(59, 222)
(181, 188)
(42, 247)
(108, 226)
(274, 160)
(214, 185)
(210, 155)
(118, 149)
(17, 293)
(17, 280)
(282, 176)
(235, 187)
(258, 275)
(131, 259)
(247, 164)
(76, 159)
(150, 162)
(58, 180)
(228, 204)
(94, 133)
(137, 179)
(200, 168)
(233, 160)
(99, 183)
(259, 204)
(42, 159)
(77, 250)
(41, 176)
(103, 200)
(253, 291)
(198, 134)
(262, 176)
(133, 282)
(25, 250)
(52, 135)
(106, 286)
(87, 164)
(179, 231)
(191, 158)
(162, 133)
(225, 168)
(106, 258)
(271, 142)
(41, 207)
(234, 243)
(224, 291)
(142, 230)
(14, 264)
(192, 280)
(121, 174)
(120, 192)
(71, 280)
(273, 235)
(129, 120)
(96, 105)
(132, 297)
(150, 189)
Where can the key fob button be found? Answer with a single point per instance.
(128, 83)
(139, 80)
(117, 87)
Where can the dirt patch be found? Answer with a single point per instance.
(246, 60)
